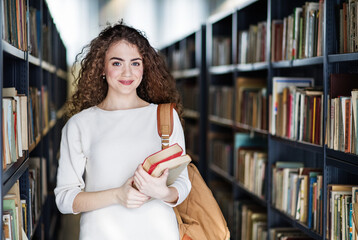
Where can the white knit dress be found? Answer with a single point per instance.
(100, 150)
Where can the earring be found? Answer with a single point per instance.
(104, 77)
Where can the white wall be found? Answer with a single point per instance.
(163, 21)
(77, 22)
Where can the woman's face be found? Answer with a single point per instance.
(123, 68)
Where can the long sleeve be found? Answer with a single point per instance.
(182, 184)
(71, 167)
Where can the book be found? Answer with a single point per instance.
(170, 158)
(279, 84)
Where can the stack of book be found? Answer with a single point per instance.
(252, 44)
(342, 127)
(250, 162)
(251, 169)
(14, 214)
(340, 200)
(250, 221)
(14, 125)
(35, 29)
(221, 50)
(190, 96)
(251, 102)
(14, 23)
(297, 191)
(296, 110)
(221, 101)
(34, 115)
(221, 154)
(298, 35)
(347, 29)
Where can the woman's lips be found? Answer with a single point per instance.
(126, 82)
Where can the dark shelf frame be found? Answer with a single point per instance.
(297, 224)
(277, 9)
(298, 144)
(19, 169)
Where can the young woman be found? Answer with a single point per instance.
(112, 129)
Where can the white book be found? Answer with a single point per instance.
(309, 7)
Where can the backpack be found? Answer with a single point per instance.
(199, 215)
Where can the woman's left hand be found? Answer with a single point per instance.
(155, 187)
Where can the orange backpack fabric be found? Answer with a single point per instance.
(199, 216)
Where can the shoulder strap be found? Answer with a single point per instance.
(165, 122)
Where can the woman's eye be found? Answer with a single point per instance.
(136, 64)
(116, 64)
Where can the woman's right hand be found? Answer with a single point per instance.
(130, 197)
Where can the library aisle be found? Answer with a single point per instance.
(270, 96)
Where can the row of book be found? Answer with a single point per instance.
(298, 35)
(342, 212)
(244, 158)
(342, 121)
(221, 50)
(221, 100)
(347, 26)
(251, 223)
(252, 44)
(14, 23)
(296, 110)
(14, 125)
(251, 102)
(297, 191)
(22, 207)
(183, 59)
(250, 169)
(192, 139)
(189, 96)
(35, 30)
(221, 154)
(21, 121)
(342, 113)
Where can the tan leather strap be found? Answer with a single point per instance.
(177, 214)
(165, 122)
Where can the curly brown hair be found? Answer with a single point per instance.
(157, 86)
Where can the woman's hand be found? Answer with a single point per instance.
(130, 197)
(155, 187)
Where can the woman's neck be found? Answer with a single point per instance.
(122, 103)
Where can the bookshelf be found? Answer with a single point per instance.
(33, 61)
(186, 61)
(228, 58)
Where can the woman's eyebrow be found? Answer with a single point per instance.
(121, 59)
